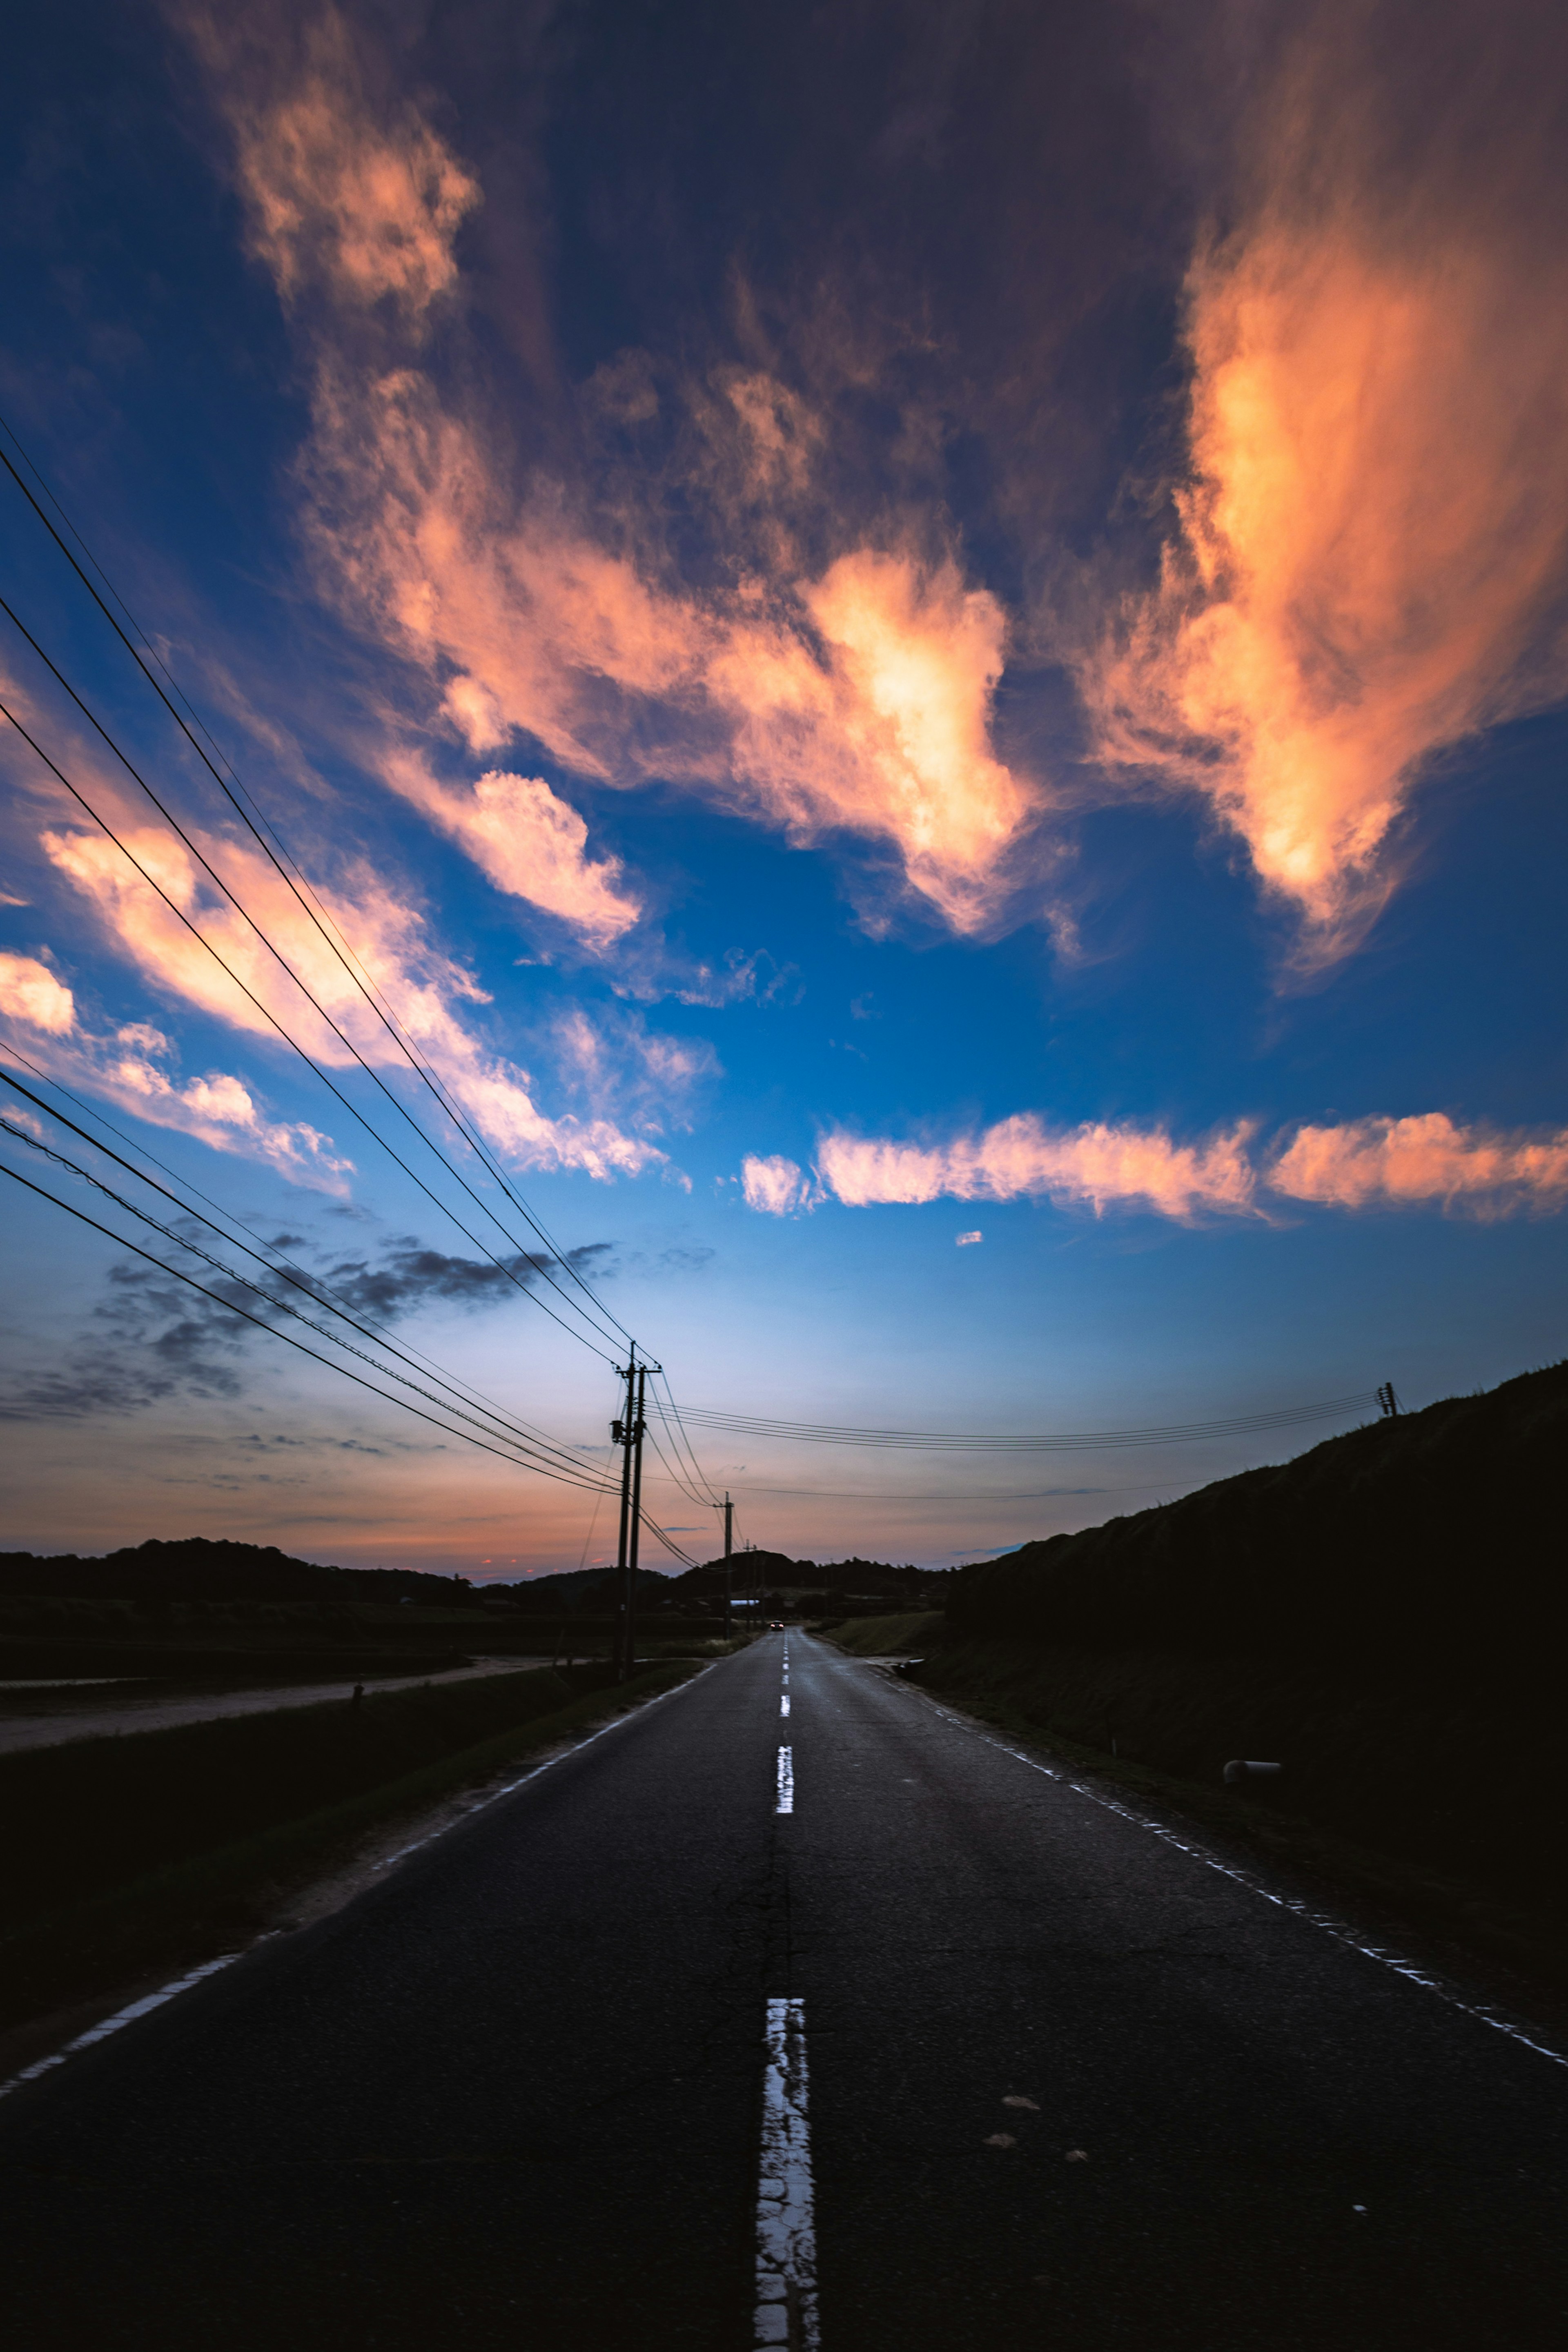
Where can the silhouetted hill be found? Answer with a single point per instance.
(1435, 1538)
(198, 1568)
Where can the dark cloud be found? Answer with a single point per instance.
(408, 1275)
(154, 1338)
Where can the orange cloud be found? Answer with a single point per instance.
(128, 1069)
(851, 694)
(30, 993)
(530, 842)
(1398, 1162)
(389, 942)
(361, 200)
(1373, 538)
(1095, 1166)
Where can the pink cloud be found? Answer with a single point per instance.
(1400, 1162)
(850, 694)
(530, 843)
(37, 1015)
(359, 197)
(1373, 539)
(388, 941)
(775, 1186)
(1096, 1166)
(30, 993)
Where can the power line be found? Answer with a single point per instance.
(122, 1242)
(276, 952)
(300, 889)
(274, 1022)
(941, 1442)
(318, 1295)
(182, 1241)
(287, 1267)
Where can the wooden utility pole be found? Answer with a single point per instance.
(638, 1425)
(729, 1548)
(621, 1435)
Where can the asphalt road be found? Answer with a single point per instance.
(513, 2096)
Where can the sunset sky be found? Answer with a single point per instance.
(919, 650)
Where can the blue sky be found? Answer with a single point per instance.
(924, 656)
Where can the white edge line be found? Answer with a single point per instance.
(151, 2001)
(127, 2016)
(1324, 1920)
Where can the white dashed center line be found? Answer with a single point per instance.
(786, 1781)
(784, 1704)
(786, 2229)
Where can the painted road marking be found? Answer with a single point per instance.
(128, 2016)
(786, 1781)
(1323, 1920)
(784, 1704)
(786, 2228)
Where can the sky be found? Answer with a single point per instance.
(901, 668)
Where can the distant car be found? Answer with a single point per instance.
(775, 1624)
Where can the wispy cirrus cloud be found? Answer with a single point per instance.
(776, 1186)
(135, 1068)
(842, 689)
(1371, 552)
(387, 940)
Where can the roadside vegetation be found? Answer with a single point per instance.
(884, 1637)
(1383, 1617)
(158, 1849)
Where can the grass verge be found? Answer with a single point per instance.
(1386, 1806)
(885, 1637)
(157, 1850)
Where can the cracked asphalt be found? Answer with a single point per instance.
(1068, 2083)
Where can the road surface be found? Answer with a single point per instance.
(977, 2063)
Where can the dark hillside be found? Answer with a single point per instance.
(1434, 1540)
(199, 1567)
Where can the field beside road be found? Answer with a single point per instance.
(158, 1848)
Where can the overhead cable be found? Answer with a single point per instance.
(275, 1024)
(318, 1293)
(930, 1441)
(273, 848)
(194, 1249)
(122, 1242)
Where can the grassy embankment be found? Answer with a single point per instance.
(158, 1849)
(887, 1637)
(1384, 1615)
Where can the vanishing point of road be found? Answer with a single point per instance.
(793, 2009)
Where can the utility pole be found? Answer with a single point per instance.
(638, 1425)
(1388, 1401)
(628, 1435)
(729, 1548)
(621, 1435)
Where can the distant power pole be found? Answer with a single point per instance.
(1388, 1402)
(729, 1550)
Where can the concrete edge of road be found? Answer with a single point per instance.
(373, 1879)
(1550, 2043)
